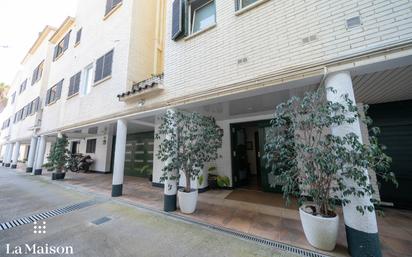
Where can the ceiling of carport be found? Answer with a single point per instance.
(384, 86)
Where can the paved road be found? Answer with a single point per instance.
(129, 232)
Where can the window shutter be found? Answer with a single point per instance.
(107, 65)
(56, 49)
(79, 35)
(34, 77)
(77, 82)
(40, 70)
(116, 2)
(177, 19)
(109, 4)
(37, 104)
(48, 96)
(99, 69)
(66, 41)
(237, 5)
(71, 85)
(59, 90)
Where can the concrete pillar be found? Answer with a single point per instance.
(15, 157)
(9, 155)
(5, 154)
(2, 148)
(119, 157)
(361, 230)
(170, 185)
(38, 167)
(32, 154)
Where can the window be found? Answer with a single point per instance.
(177, 19)
(203, 15)
(24, 112)
(61, 47)
(111, 4)
(13, 97)
(78, 36)
(37, 73)
(33, 106)
(53, 94)
(87, 80)
(91, 146)
(103, 67)
(23, 86)
(18, 116)
(243, 3)
(36, 104)
(74, 84)
(6, 124)
(30, 108)
(75, 147)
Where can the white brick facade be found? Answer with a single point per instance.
(270, 37)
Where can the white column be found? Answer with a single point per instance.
(9, 155)
(5, 154)
(38, 167)
(15, 158)
(170, 186)
(119, 157)
(32, 154)
(361, 230)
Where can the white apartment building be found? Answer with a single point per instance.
(22, 114)
(104, 50)
(234, 60)
(237, 60)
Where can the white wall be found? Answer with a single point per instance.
(22, 129)
(223, 164)
(102, 155)
(270, 37)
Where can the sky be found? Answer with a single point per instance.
(20, 24)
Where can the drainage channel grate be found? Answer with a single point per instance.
(262, 241)
(45, 215)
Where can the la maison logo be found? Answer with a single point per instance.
(38, 249)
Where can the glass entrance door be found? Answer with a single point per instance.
(240, 167)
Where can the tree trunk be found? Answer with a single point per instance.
(187, 175)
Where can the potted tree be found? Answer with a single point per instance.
(310, 163)
(189, 140)
(58, 157)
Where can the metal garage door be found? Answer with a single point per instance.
(395, 122)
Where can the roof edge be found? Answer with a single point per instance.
(67, 23)
(42, 36)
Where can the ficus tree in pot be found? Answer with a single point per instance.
(58, 157)
(309, 162)
(189, 141)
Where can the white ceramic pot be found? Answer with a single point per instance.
(187, 201)
(319, 231)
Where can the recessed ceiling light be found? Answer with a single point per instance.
(141, 103)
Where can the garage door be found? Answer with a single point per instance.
(395, 122)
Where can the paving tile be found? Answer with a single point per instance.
(213, 207)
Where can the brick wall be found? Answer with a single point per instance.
(270, 37)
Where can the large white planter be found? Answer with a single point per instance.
(187, 201)
(319, 231)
